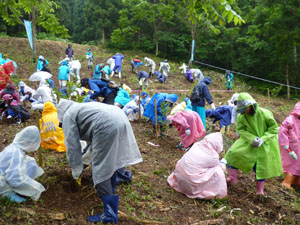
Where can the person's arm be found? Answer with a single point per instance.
(272, 127)
(283, 134)
(207, 95)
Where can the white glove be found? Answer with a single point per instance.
(293, 155)
(188, 131)
(76, 173)
(257, 142)
(213, 107)
(224, 161)
(169, 121)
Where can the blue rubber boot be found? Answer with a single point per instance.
(14, 197)
(110, 213)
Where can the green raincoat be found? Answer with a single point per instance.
(267, 157)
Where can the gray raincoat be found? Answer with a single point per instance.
(108, 130)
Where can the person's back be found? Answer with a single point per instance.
(64, 71)
(118, 59)
(18, 170)
(199, 174)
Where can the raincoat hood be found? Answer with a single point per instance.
(64, 63)
(172, 98)
(49, 108)
(296, 110)
(21, 84)
(244, 101)
(62, 108)
(214, 141)
(144, 93)
(28, 139)
(206, 80)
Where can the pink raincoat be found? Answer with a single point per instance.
(199, 174)
(289, 134)
(188, 119)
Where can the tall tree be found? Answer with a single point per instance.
(40, 12)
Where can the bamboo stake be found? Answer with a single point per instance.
(269, 96)
(155, 106)
(139, 106)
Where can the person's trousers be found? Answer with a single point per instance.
(201, 112)
(110, 98)
(106, 187)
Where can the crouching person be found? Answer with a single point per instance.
(199, 173)
(94, 122)
(19, 171)
(14, 110)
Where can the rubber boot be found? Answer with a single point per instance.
(141, 87)
(110, 213)
(288, 181)
(120, 75)
(260, 187)
(232, 176)
(14, 197)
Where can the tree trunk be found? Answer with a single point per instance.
(156, 39)
(103, 37)
(287, 73)
(34, 41)
(295, 53)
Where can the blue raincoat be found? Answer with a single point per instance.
(97, 72)
(100, 88)
(118, 59)
(107, 69)
(160, 77)
(142, 74)
(144, 100)
(222, 113)
(122, 97)
(189, 75)
(91, 54)
(40, 64)
(161, 105)
(63, 71)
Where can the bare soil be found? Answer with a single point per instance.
(148, 198)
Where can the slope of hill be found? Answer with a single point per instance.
(148, 199)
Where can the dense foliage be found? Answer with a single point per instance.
(257, 37)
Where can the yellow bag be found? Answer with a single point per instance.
(51, 134)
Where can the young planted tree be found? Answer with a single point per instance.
(39, 12)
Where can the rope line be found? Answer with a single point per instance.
(246, 75)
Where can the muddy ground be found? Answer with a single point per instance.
(148, 199)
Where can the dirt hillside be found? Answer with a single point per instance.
(148, 199)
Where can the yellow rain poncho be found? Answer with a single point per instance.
(51, 134)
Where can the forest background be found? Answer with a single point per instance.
(264, 43)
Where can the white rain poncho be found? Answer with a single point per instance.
(230, 102)
(108, 130)
(197, 74)
(131, 109)
(111, 63)
(149, 62)
(164, 68)
(17, 170)
(42, 95)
